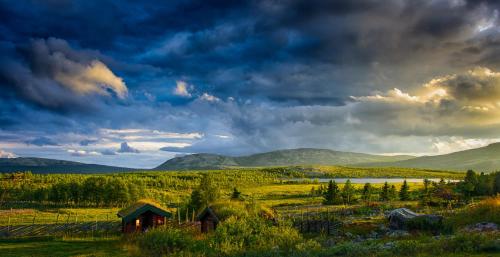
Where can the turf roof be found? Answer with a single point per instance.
(142, 206)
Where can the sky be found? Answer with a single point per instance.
(134, 83)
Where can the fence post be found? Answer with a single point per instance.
(95, 228)
(8, 226)
(33, 224)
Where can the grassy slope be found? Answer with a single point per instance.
(303, 156)
(62, 248)
(485, 159)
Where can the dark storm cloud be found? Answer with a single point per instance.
(87, 142)
(125, 148)
(50, 74)
(262, 74)
(321, 52)
(318, 52)
(41, 141)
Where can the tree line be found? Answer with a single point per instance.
(431, 193)
(91, 192)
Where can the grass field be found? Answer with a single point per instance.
(58, 215)
(50, 247)
(271, 187)
(272, 195)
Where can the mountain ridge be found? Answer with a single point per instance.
(285, 157)
(45, 165)
(483, 159)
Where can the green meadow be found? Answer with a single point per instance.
(292, 195)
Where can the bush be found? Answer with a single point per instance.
(253, 234)
(471, 243)
(426, 223)
(487, 210)
(164, 240)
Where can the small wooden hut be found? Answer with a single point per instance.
(208, 220)
(142, 216)
(210, 217)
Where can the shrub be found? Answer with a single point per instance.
(471, 243)
(487, 210)
(424, 223)
(254, 234)
(164, 240)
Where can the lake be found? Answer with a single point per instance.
(370, 180)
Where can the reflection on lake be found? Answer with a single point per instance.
(368, 180)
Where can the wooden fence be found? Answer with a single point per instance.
(314, 219)
(62, 229)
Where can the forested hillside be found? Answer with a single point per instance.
(303, 156)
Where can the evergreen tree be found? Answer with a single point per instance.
(425, 197)
(496, 183)
(393, 194)
(384, 192)
(208, 189)
(404, 193)
(236, 194)
(468, 186)
(484, 185)
(348, 192)
(367, 192)
(427, 183)
(196, 203)
(331, 196)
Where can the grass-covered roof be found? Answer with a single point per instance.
(225, 209)
(141, 206)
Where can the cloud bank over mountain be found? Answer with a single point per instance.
(247, 76)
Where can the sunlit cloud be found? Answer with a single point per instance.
(94, 78)
(209, 98)
(5, 154)
(81, 153)
(181, 89)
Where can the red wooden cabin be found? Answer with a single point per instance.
(142, 216)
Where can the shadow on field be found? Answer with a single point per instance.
(58, 247)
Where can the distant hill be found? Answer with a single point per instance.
(42, 165)
(302, 156)
(484, 159)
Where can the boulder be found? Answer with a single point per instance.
(398, 233)
(398, 218)
(403, 218)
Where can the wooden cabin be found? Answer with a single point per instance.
(208, 220)
(220, 211)
(142, 216)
